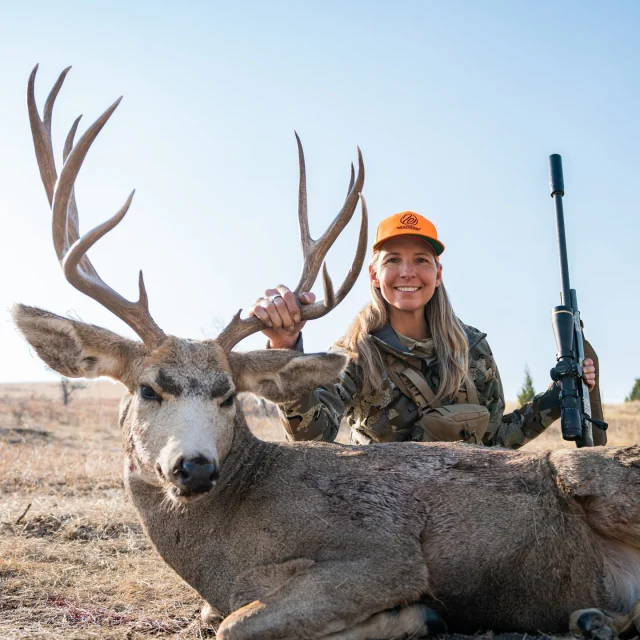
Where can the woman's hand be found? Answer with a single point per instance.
(589, 373)
(279, 311)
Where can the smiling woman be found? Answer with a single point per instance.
(415, 372)
(407, 272)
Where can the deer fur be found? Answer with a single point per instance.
(317, 540)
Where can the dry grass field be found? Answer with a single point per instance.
(74, 563)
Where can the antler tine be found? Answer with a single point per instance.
(331, 299)
(358, 260)
(351, 180)
(239, 329)
(70, 248)
(41, 130)
(314, 251)
(303, 216)
(72, 227)
(65, 226)
(68, 143)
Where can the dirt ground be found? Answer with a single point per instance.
(74, 563)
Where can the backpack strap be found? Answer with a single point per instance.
(413, 384)
(472, 392)
(422, 386)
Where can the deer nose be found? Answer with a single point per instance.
(195, 475)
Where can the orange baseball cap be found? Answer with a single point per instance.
(408, 223)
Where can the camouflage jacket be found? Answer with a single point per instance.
(389, 415)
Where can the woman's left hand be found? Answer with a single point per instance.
(589, 373)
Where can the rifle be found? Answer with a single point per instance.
(575, 407)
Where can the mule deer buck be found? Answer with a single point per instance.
(316, 540)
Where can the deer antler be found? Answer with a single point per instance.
(70, 247)
(314, 252)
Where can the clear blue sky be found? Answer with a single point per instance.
(456, 106)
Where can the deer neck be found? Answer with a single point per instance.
(183, 536)
(248, 458)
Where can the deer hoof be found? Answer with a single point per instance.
(591, 624)
(435, 624)
(209, 616)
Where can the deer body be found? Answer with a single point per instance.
(493, 539)
(313, 540)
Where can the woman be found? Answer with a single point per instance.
(415, 371)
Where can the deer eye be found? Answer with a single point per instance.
(229, 401)
(148, 393)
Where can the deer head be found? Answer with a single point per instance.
(180, 413)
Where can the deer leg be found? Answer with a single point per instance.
(604, 625)
(210, 616)
(413, 621)
(301, 599)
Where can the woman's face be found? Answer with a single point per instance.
(407, 272)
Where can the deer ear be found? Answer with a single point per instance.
(280, 375)
(76, 349)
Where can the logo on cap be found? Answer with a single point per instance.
(409, 219)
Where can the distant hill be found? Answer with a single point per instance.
(95, 389)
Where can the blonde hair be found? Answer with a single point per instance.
(448, 336)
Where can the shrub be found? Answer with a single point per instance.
(527, 392)
(635, 392)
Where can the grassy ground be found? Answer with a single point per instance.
(74, 562)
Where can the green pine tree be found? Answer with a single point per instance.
(635, 392)
(527, 392)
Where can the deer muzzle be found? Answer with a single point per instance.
(194, 476)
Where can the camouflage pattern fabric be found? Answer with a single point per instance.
(391, 416)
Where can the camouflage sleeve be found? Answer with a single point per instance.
(513, 429)
(530, 420)
(317, 415)
(486, 378)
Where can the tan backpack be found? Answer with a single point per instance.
(461, 422)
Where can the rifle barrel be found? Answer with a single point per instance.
(556, 180)
(556, 184)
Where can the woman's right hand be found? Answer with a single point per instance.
(279, 311)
